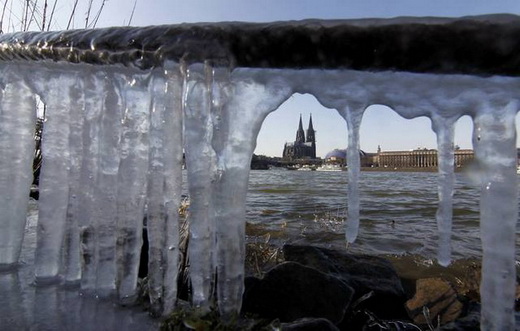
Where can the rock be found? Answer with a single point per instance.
(310, 324)
(469, 322)
(291, 291)
(439, 297)
(363, 273)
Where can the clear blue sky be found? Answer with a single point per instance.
(380, 125)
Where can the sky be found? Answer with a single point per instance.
(380, 126)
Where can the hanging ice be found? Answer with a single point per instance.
(494, 140)
(17, 123)
(122, 103)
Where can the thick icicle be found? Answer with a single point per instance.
(200, 163)
(164, 190)
(87, 179)
(54, 177)
(445, 130)
(173, 157)
(156, 215)
(494, 141)
(353, 118)
(71, 244)
(239, 110)
(105, 196)
(131, 186)
(17, 128)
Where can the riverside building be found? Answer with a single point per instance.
(416, 158)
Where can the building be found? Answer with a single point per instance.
(419, 158)
(304, 147)
(339, 156)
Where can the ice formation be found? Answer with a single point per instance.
(122, 107)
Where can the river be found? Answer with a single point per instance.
(397, 211)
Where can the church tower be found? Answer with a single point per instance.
(300, 135)
(311, 137)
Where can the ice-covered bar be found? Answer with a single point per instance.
(124, 104)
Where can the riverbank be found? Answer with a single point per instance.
(296, 287)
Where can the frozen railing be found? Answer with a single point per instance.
(122, 103)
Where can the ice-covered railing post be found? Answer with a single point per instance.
(119, 100)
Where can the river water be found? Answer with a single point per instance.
(397, 211)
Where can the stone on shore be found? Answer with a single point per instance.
(363, 273)
(439, 297)
(291, 291)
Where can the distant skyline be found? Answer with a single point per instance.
(380, 125)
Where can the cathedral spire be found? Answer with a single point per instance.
(310, 132)
(300, 134)
(311, 138)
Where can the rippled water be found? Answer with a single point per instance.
(397, 211)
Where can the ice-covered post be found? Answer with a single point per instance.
(17, 130)
(494, 141)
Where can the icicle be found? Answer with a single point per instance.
(155, 220)
(241, 105)
(17, 128)
(494, 142)
(173, 157)
(353, 118)
(105, 196)
(131, 187)
(234, 140)
(445, 130)
(164, 191)
(88, 177)
(200, 163)
(71, 245)
(53, 184)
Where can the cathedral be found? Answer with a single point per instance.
(303, 147)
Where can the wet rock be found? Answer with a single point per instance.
(291, 291)
(469, 322)
(310, 324)
(439, 297)
(363, 273)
